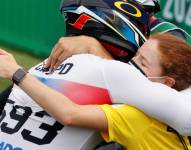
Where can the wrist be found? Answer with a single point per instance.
(94, 45)
(18, 75)
(98, 49)
(12, 70)
(91, 43)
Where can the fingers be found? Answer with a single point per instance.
(66, 47)
(55, 58)
(48, 63)
(56, 52)
(60, 59)
(3, 52)
(8, 64)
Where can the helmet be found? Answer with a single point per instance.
(151, 6)
(121, 26)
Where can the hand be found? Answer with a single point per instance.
(67, 46)
(8, 65)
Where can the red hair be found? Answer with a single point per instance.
(175, 59)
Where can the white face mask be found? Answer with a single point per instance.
(162, 77)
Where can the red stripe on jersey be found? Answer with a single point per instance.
(85, 94)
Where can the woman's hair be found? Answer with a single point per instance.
(175, 59)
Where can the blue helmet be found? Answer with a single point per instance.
(120, 25)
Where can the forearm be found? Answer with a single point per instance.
(61, 108)
(56, 104)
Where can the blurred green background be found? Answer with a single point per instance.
(177, 12)
(31, 25)
(30, 28)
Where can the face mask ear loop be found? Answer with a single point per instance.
(156, 77)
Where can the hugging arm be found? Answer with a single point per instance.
(127, 85)
(64, 110)
(156, 100)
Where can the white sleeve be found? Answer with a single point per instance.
(127, 85)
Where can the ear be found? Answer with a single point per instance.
(169, 81)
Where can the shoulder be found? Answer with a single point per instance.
(119, 68)
(124, 122)
(125, 111)
(125, 115)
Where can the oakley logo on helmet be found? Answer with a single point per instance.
(131, 9)
(124, 6)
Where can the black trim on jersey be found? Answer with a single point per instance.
(169, 129)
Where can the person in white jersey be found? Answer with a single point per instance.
(119, 124)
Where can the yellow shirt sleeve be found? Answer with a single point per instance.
(125, 123)
(134, 130)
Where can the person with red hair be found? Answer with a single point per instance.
(124, 124)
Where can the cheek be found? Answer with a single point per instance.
(157, 80)
(136, 59)
(147, 71)
(154, 71)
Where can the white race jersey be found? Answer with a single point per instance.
(87, 79)
(26, 126)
